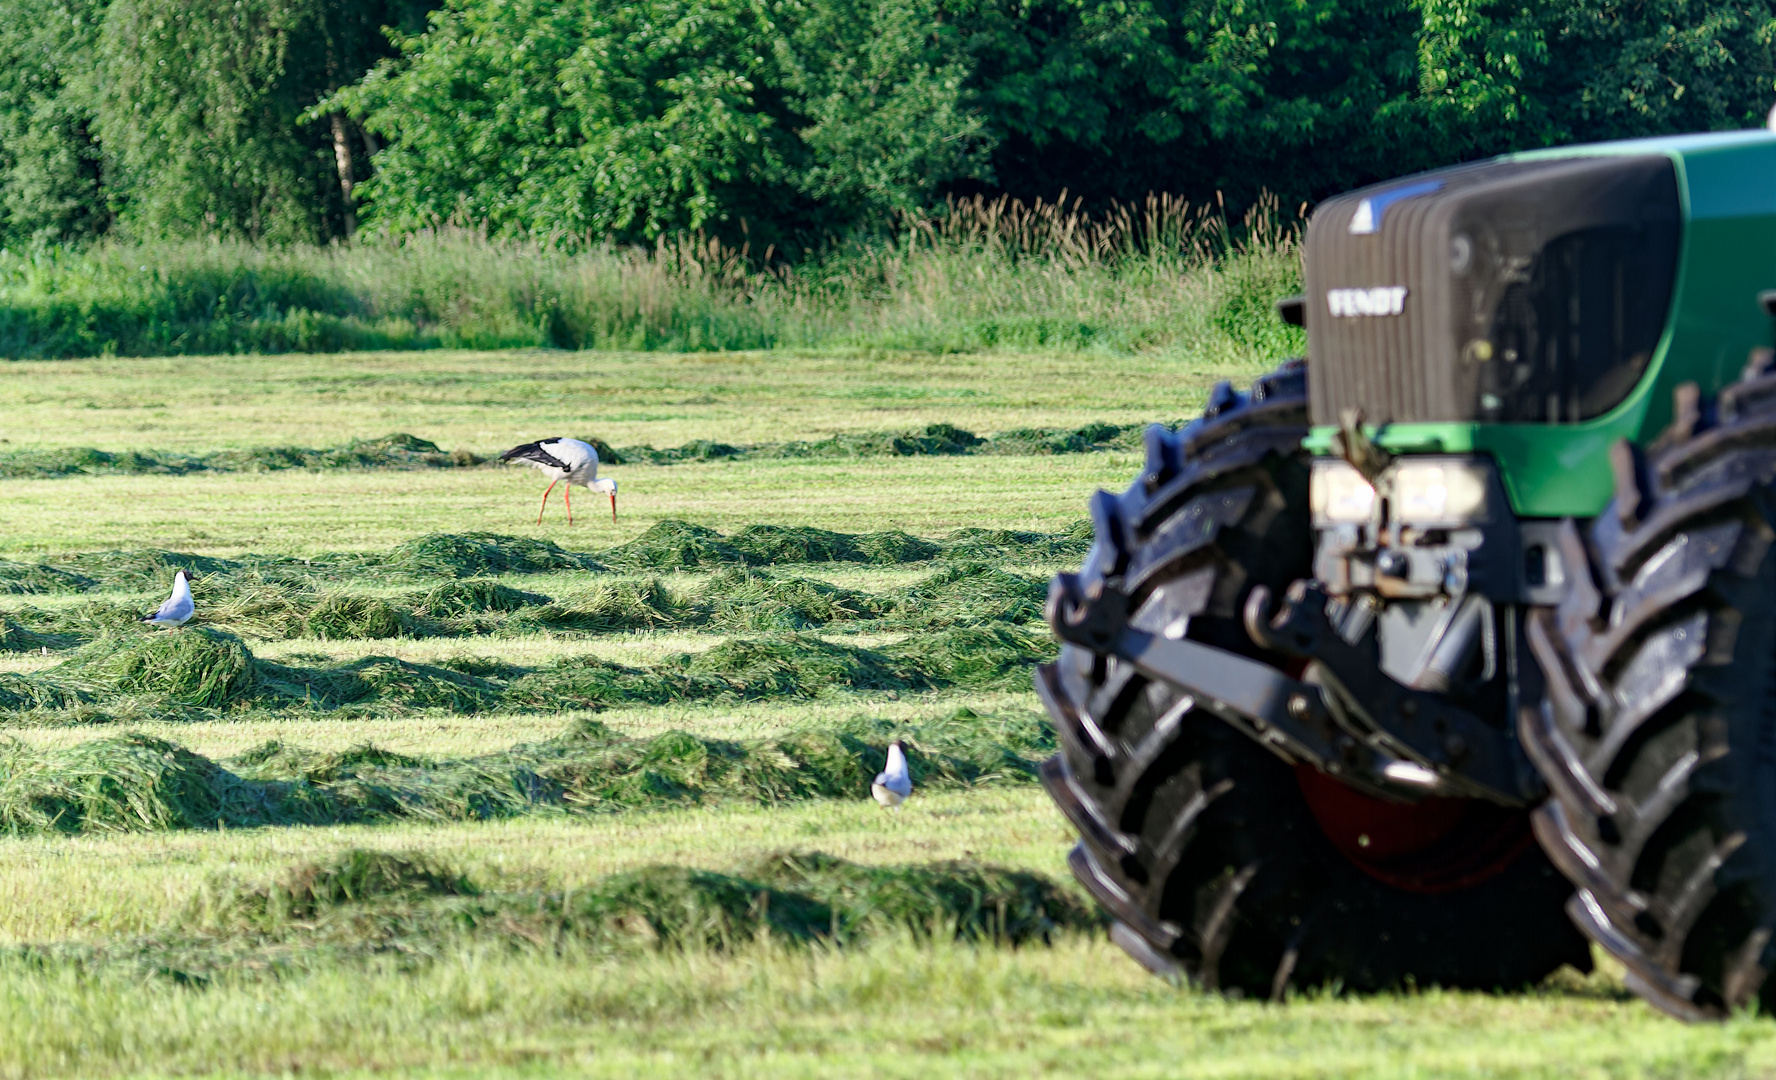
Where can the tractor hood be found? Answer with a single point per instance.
(1503, 292)
(1536, 308)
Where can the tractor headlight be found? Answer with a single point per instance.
(1338, 493)
(1426, 491)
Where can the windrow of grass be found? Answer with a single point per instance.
(678, 545)
(668, 545)
(396, 451)
(197, 674)
(403, 451)
(137, 783)
(367, 904)
(731, 600)
(933, 439)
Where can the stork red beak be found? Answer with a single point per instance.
(613, 506)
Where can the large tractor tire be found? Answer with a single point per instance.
(1219, 861)
(1659, 734)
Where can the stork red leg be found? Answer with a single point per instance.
(545, 505)
(565, 488)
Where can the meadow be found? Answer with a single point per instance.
(1160, 276)
(431, 790)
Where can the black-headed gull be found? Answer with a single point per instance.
(177, 609)
(893, 784)
(566, 461)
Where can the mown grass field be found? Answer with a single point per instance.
(520, 803)
(482, 400)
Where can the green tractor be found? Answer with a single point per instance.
(1450, 650)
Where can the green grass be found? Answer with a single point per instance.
(280, 840)
(981, 279)
(199, 674)
(99, 886)
(276, 599)
(442, 735)
(364, 903)
(485, 402)
(396, 451)
(408, 452)
(138, 783)
(313, 513)
(901, 1006)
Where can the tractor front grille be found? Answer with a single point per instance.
(1507, 291)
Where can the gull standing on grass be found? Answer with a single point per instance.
(177, 609)
(893, 784)
(565, 461)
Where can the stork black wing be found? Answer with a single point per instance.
(533, 451)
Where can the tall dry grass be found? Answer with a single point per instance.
(977, 274)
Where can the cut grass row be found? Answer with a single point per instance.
(435, 735)
(136, 783)
(204, 674)
(409, 452)
(298, 514)
(728, 601)
(124, 672)
(666, 546)
(363, 903)
(95, 886)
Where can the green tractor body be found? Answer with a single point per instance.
(1449, 651)
(1675, 261)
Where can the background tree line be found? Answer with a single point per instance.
(790, 122)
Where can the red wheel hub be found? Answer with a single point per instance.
(1431, 846)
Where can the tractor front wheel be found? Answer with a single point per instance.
(1220, 861)
(1658, 737)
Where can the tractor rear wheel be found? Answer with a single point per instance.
(1218, 860)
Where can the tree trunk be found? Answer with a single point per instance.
(342, 157)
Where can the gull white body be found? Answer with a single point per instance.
(569, 462)
(177, 609)
(894, 784)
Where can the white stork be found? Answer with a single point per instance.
(176, 611)
(567, 462)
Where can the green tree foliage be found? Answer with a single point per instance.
(804, 117)
(794, 121)
(181, 117)
(1663, 66)
(50, 166)
(1116, 99)
(201, 102)
(1493, 78)
(598, 118)
(890, 120)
